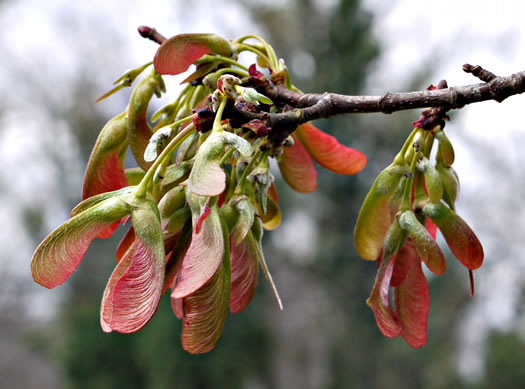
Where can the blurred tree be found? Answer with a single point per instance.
(503, 367)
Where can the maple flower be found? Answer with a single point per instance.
(296, 164)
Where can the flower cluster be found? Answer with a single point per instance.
(202, 193)
(397, 226)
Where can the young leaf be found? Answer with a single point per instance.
(246, 210)
(272, 218)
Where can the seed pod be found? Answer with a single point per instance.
(375, 216)
(462, 241)
(445, 149)
(433, 183)
(134, 175)
(425, 245)
(245, 207)
(172, 201)
(450, 181)
(139, 131)
(105, 168)
(387, 321)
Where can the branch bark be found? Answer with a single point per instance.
(316, 106)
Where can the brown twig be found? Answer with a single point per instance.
(311, 106)
(151, 33)
(479, 72)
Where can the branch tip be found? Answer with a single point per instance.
(152, 34)
(477, 71)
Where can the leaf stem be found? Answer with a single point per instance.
(142, 188)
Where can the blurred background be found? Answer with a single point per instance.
(59, 56)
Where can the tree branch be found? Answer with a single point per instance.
(302, 108)
(316, 106)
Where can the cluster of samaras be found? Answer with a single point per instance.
(202, 195)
